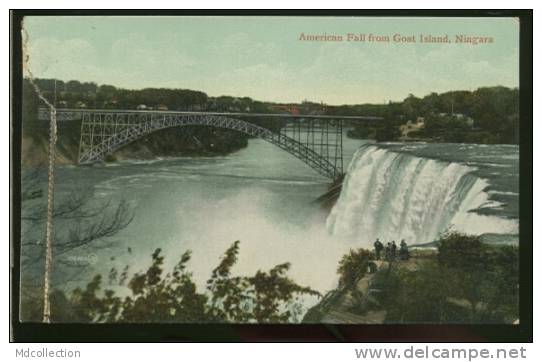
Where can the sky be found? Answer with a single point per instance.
(264, 58)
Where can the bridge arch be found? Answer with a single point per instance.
(103, 134)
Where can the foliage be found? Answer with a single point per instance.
(266, 297)
(460, 251)
(353, 266)
(495, 111)
(487, 277)
(80, 223)
(76, 94)
(468, 282)
(445, 128)
(168, 142)
(387, 132)
(418, 296)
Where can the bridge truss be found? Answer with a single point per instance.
(316, 140)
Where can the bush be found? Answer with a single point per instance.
(485, 276)
(353, 266)
(420, 296)
(461, 251)
(387, 132)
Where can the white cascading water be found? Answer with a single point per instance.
(394, 196)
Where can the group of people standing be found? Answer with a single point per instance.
(390, 251)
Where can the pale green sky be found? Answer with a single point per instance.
(263, 58)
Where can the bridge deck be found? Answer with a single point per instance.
(231, 114)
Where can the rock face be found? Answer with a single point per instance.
(329, 198)
(185, 141)
(357, 304)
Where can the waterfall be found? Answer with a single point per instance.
(394, 196)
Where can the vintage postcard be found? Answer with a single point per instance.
(270, 170)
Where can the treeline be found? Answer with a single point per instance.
(189, 141)
(483, 104)
(493, 111)
(91, 95)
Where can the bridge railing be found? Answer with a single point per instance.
(77, 114)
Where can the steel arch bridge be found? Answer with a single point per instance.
(314, 139)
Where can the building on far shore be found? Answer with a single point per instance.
(411, 127)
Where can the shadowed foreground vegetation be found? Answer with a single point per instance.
(464, 281)
(266, 297)
(468, 282)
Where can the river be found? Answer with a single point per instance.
(262, 196)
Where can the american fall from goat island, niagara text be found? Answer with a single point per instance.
(398, 38)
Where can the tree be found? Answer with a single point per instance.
(464, 256)
(411, 107)
(387, 132)
(79, 223)
(467, 282)
(353, 266)
(501, 295)
(461, 251)
(481, 275)
(419, 296)
(266, 297)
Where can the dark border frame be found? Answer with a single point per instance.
(153, 332)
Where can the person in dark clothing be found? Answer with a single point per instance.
(393, 248)
(403, 251)
(388, 252)
(378, 248)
